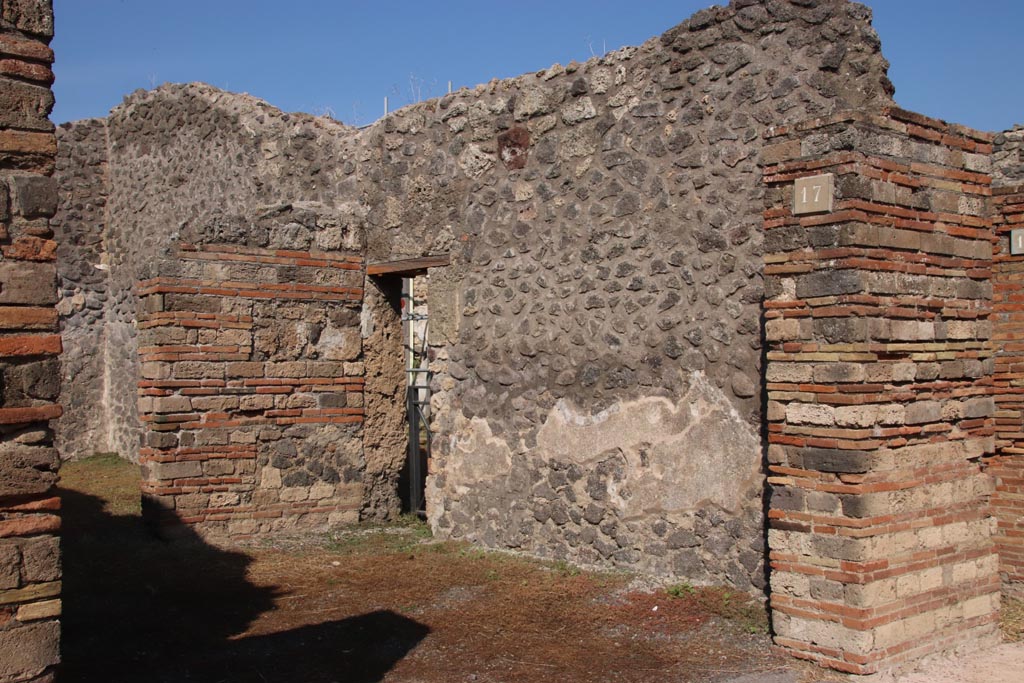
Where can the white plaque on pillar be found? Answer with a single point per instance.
(813, 194)
(1017, 241)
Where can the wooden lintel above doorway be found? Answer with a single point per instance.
(408, 267)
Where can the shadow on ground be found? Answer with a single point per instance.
(137, 608)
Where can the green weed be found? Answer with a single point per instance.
(680, 590)
(565, 569)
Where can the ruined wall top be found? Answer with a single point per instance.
(1008, 157)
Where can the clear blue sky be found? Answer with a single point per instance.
(959, 60)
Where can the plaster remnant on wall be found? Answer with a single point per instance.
(680, 456)
(482, 457)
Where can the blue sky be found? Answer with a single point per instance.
(953, 59)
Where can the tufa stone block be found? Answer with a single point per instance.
(176, 470)
(25, 106)
(837, 460)
(34, 284)
(10, 563)
(27, 469)
(923, 412)
(34, 196)
(41, 559)
(29, 650)
(828, 283)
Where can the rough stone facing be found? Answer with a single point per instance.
(80, 229)
(606, 368)
(1008, 157)
(29, 344)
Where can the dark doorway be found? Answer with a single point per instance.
(412, 279)
(417, 394)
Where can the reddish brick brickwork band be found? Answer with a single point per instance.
(879, 382)
(30, 571)
(249, 426)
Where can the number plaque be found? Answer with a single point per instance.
(813, 194)
(1017, 241)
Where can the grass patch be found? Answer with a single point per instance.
(115, 480)
(680, 590)
(565, 569)
(404, 535)
(732, 605)
(1011, 619)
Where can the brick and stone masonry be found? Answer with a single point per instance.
(1007, 462)
(605, 389)
(598, 330)
(29, 344)
(879, 384)
(245, 429)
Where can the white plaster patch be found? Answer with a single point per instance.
(678, 456)
(477, 456)
(340, 343)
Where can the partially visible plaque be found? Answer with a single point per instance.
(1017, 241)
(813, 194)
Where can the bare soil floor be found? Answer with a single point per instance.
(374, 604)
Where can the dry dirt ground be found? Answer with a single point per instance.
(375, 604)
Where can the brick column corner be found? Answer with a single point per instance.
(30, 569)
(879, 380)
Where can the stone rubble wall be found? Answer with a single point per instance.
(80, 228)
(1008, 157)
(879, 402)
(190, 163)
(598, 358)
(598, 363)
(30, 570)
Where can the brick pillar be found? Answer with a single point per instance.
(878, 377)
(29, 344)
(1007, 464)
(251, 389)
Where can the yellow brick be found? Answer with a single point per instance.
(47, 609)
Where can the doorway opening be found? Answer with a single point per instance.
(417, 394)
(412, 277)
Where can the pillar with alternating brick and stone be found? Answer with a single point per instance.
(879, 379)
(29, 344)
(1007, 462)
